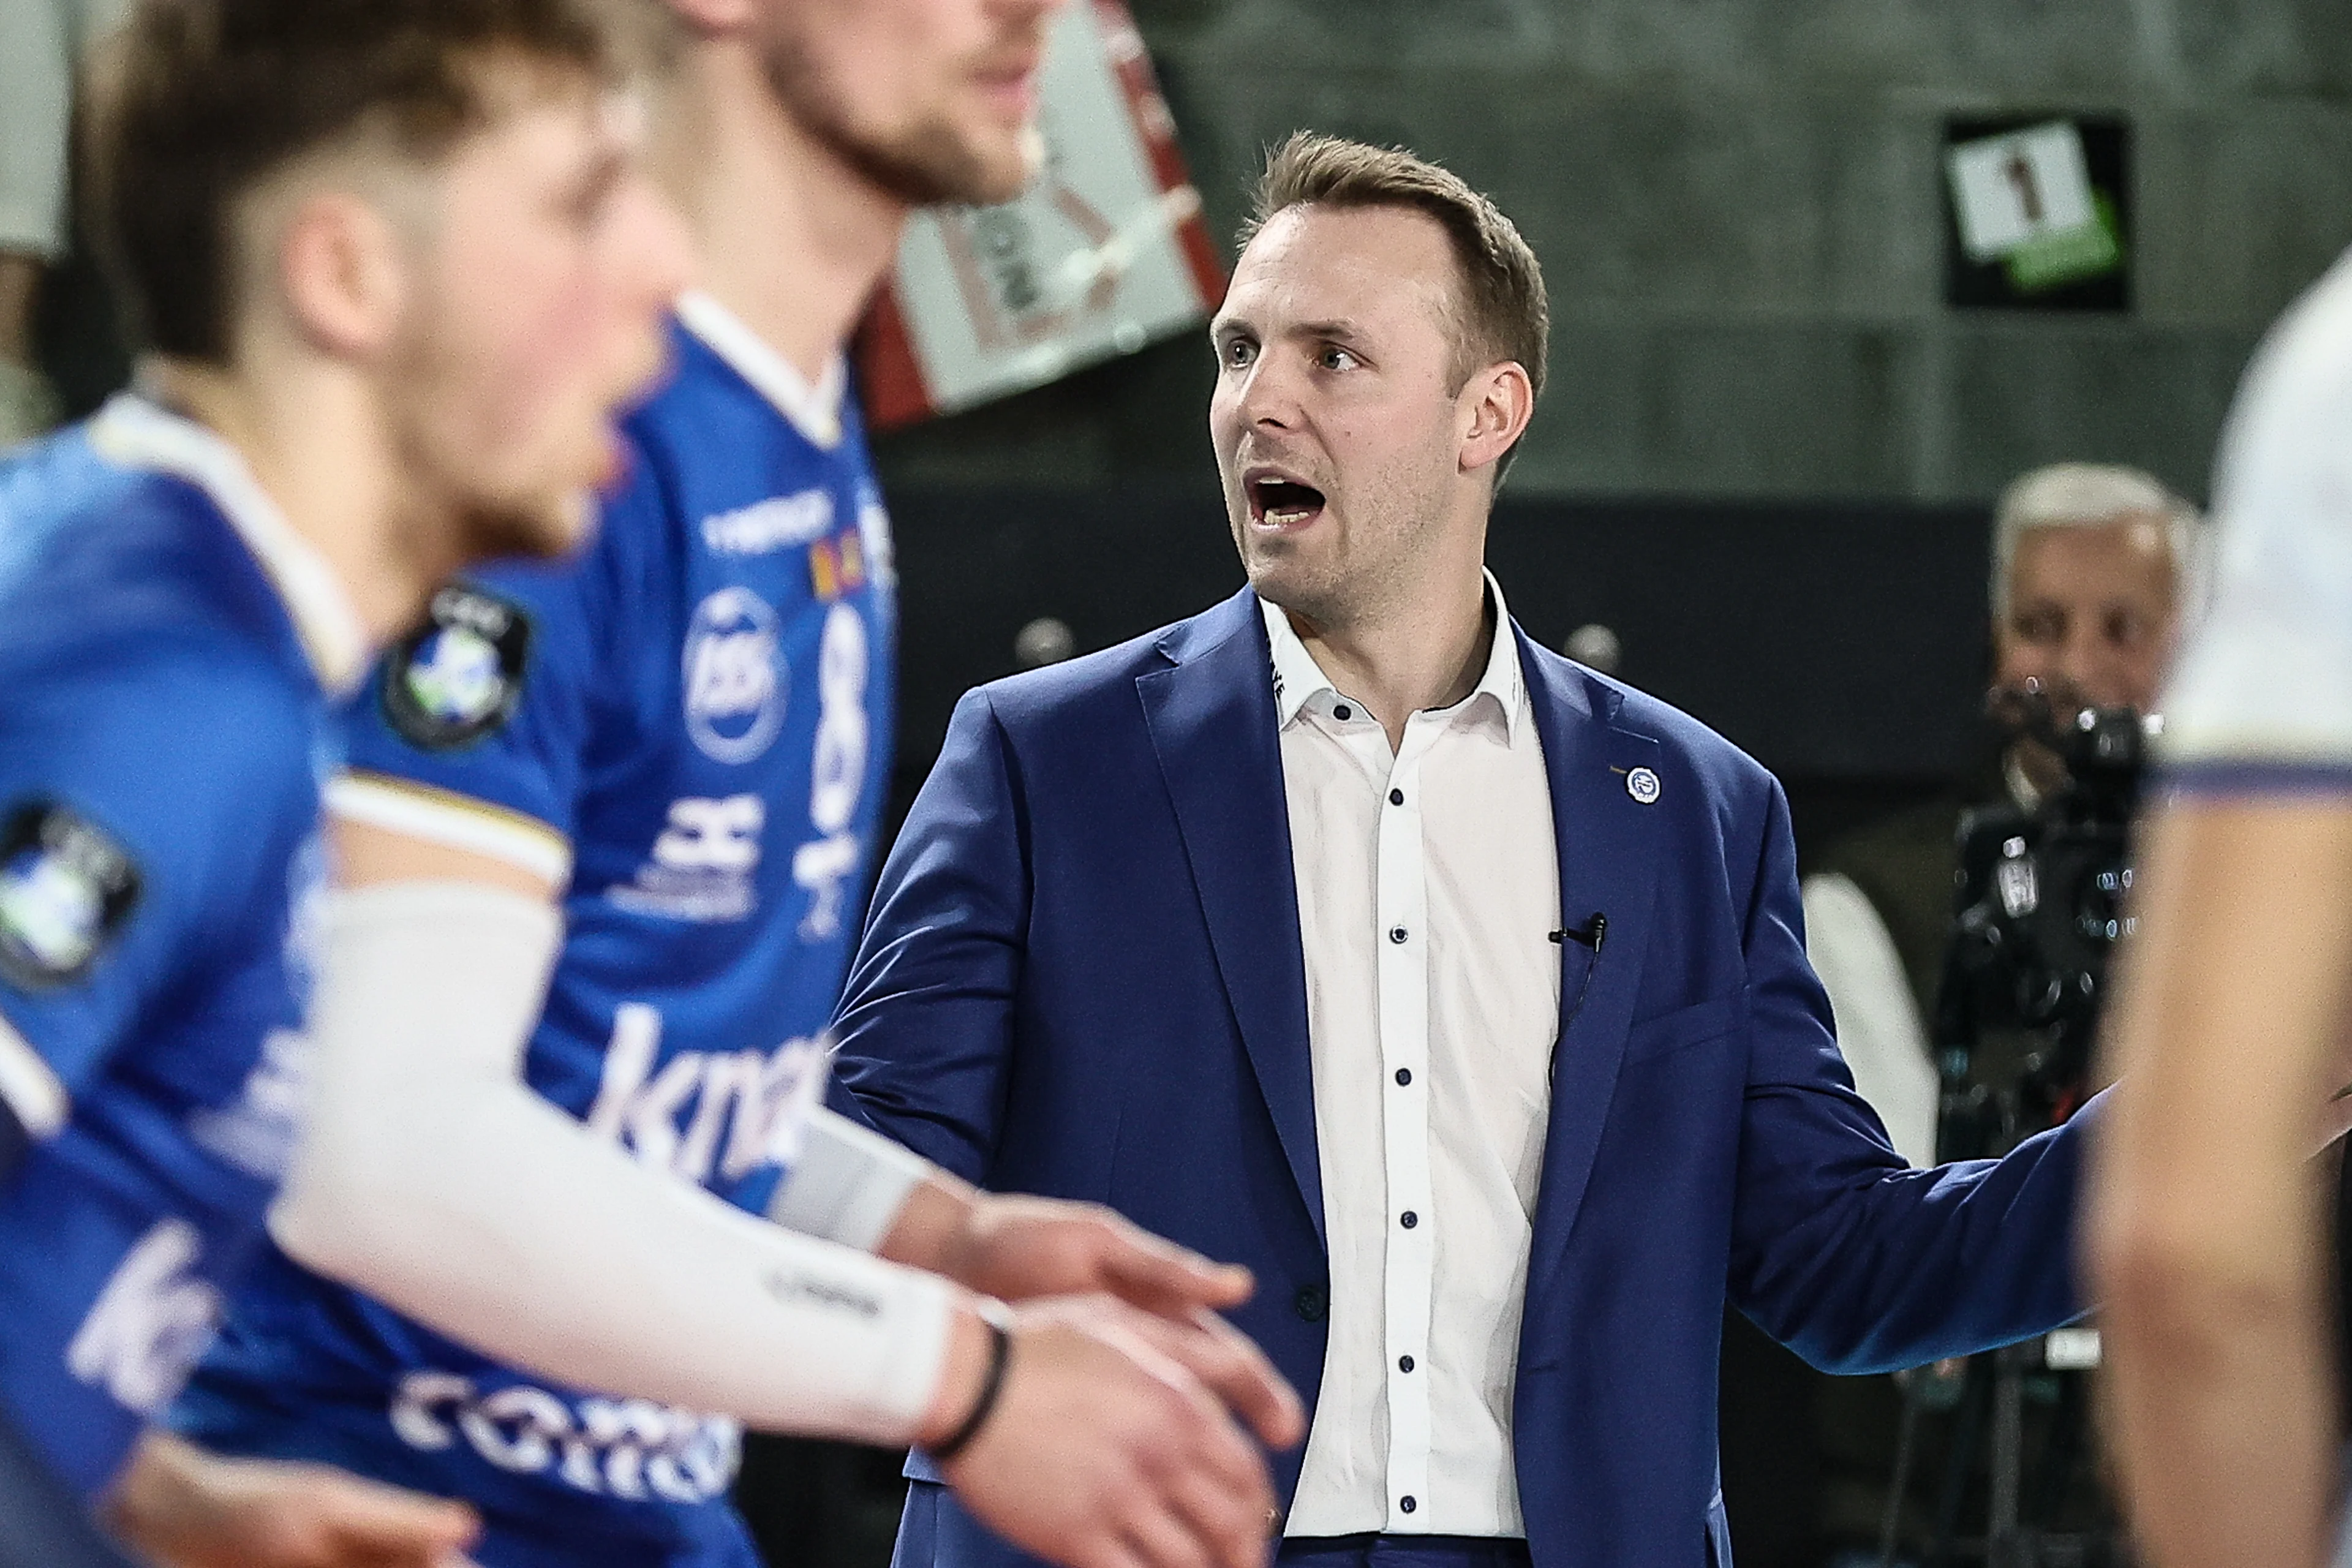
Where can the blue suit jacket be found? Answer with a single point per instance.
(1082, 977)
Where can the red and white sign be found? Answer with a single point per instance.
(1103, 253)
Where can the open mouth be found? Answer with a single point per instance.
(1283, 503)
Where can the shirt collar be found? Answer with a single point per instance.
(135, 433)
(815, 411)
(1297, 678)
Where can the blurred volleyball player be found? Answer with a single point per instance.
(2210, 1214)
(397, 268)
(605, 828)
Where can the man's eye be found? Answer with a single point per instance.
(1239, 351)
(1336, 359)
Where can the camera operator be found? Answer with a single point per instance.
(2092, 568)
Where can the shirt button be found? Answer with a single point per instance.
(1404, 1363)
(1396, 933)
(1396, 797)
(1404, 1074)
(1407, 1504)
(1343, 712)
(1407, 1220)
(1311, 1304)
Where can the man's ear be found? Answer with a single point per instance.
(1497, 404)
(344, 274)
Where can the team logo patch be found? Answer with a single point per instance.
(66, 888)
(460, 678)
(734, 670)
(1643, 785)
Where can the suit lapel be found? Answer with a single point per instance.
(1608, 843)
(1211, 719)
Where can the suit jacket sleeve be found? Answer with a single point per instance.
(1838, 1250)
(925, 1029)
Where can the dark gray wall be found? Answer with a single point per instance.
(1739, 207)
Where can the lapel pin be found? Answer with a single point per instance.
(1643, 785)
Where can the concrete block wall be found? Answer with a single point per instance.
(1737, 204)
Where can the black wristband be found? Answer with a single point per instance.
(1000, 1356)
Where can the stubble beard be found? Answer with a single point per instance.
(487, 529)
(930, 164)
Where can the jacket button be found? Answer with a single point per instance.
(1311, 1303)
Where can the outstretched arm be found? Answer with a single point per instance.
(1839, 1250)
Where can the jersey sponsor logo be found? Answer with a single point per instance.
(627, 1449)
(150, 1324)
(837, 773)
(769, 525)
(837, 566)
(66, 888)
(459, 678)
(702, 864)
(735, 686)
(758, 1103)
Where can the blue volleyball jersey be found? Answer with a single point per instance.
(163, 639)
(694, 714)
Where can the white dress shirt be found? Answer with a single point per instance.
(1428, 890)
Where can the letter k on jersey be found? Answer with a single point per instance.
(673, 1119)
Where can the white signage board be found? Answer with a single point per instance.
(2012, 190)
(1103, 253)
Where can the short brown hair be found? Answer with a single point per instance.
(1505, 314)
(196, 102)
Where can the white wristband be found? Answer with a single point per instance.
(848, 1184)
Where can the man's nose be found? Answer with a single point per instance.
(1269, 395)
(2085, 673)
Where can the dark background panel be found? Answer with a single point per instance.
(1840, 643)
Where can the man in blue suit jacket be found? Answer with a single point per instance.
(1240, 928)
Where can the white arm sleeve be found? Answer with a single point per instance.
(848, 1184)
(431, 1176)
(1878, 1027)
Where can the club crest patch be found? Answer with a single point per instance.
(66, 888)
(459, 678)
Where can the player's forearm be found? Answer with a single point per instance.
(433, 1178)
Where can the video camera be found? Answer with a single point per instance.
(2040, 904)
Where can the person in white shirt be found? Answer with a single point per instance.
(1456, 990)
(2209, 1228)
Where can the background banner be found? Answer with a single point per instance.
(1103, 253)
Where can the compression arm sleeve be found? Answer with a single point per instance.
(431, 1176)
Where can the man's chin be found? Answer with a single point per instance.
(540, 527)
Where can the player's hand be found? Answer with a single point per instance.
(183, 1508)
(1111, 1445)
(1018, 1248)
